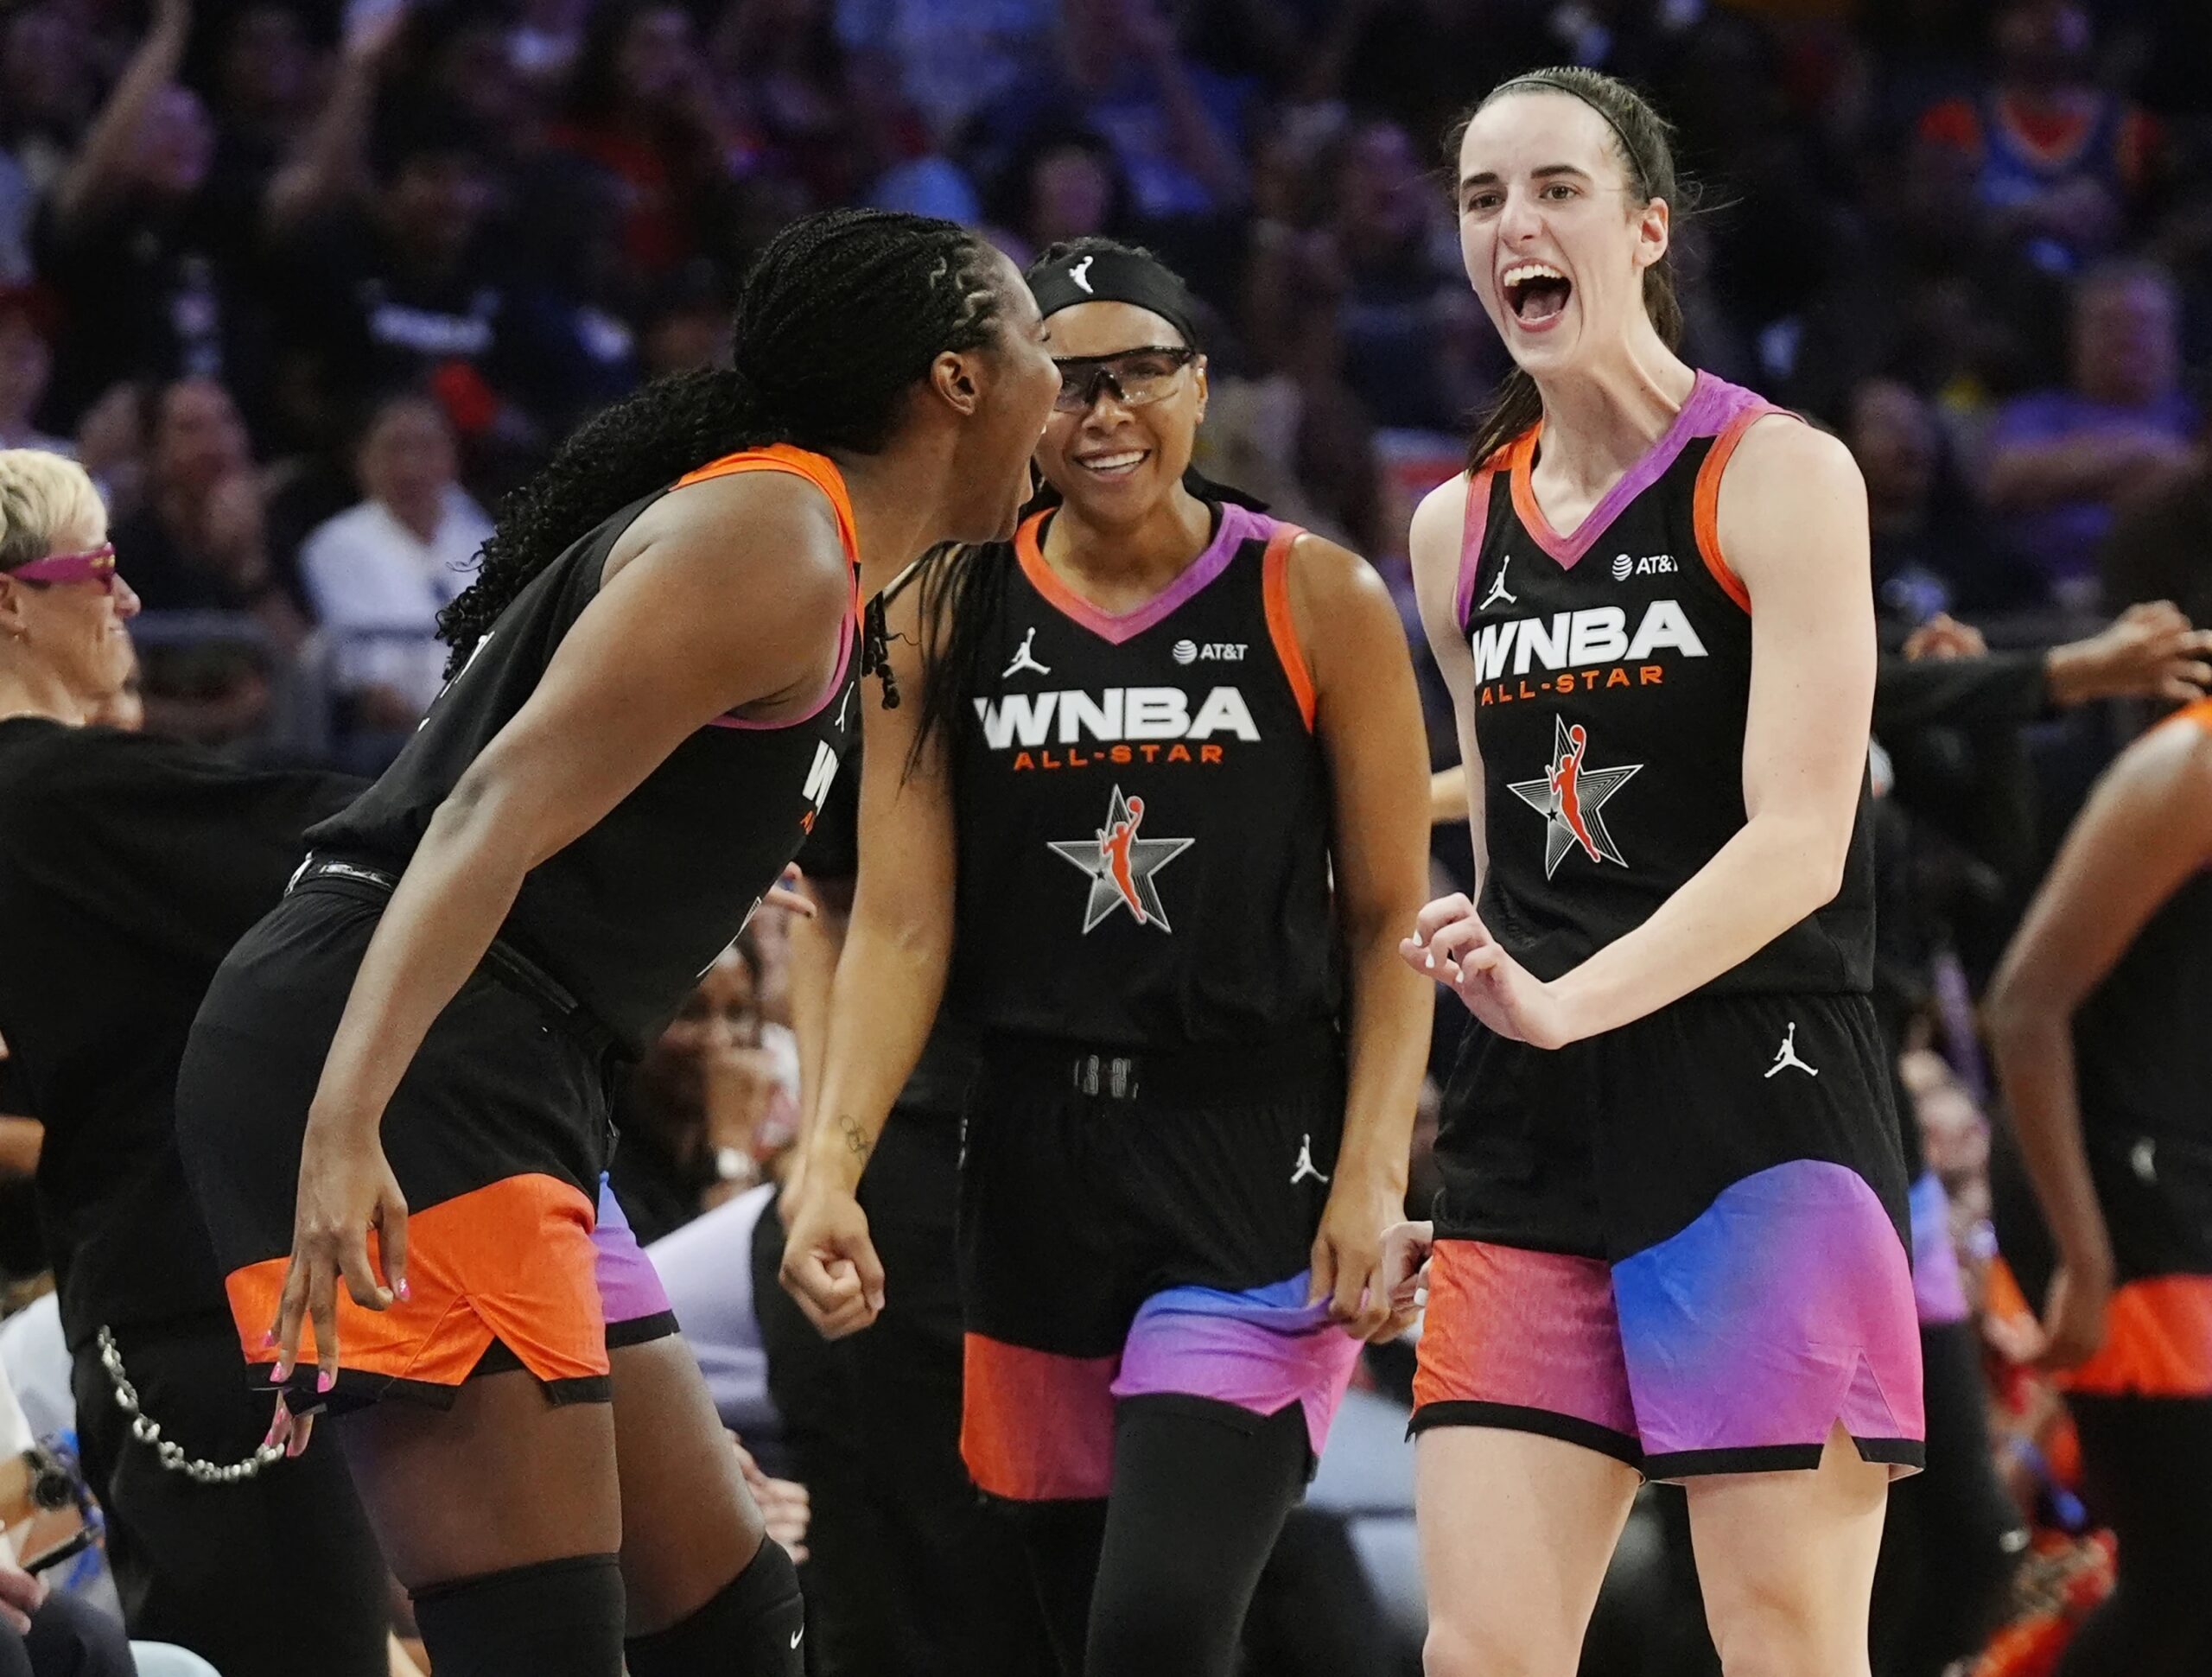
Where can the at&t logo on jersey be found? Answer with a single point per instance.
(1133, 724)
(1571, 797)
(1121, 864)
(1557, 646)
(1221, 652)
(1657, 565)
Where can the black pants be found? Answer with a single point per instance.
(2147, 1470)
(66, 1638)
(1952, 1538)
(246, 1575)
(1155, 1580)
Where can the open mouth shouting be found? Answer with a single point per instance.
(1536, 293)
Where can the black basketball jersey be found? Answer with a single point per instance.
(1612, 684)
(2143, 1056)
(1143, 811)
(630, 914)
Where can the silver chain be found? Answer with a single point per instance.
(147, 1430)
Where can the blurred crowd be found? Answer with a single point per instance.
(308, 288)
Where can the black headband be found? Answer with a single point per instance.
(1115, 276)
(1541, 78)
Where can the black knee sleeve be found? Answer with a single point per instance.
(754, 1627)
(559, 1618)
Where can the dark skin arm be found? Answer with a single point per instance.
(1367, 718)
(2146, 828)
(890, 978)
(722, 596)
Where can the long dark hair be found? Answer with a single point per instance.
(1645, 140)
(963, 586)
(835, 320)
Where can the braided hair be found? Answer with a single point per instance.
(963, 587)
(1644, 141)
(838, 316)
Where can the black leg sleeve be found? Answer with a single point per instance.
(755, 1628)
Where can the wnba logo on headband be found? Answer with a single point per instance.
(1118, 275)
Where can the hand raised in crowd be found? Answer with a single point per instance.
(2148, 651)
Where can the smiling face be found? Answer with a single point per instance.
(1114, 461)
(76, 633)
(1554, 239)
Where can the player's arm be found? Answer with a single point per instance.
(1367, 717)
(1792, 525)
(1434, 544)
(658, 654)
(2145, 829)
(890, 977)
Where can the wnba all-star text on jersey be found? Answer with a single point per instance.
(1120, 725)
(1580, 651)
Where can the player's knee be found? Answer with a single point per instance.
(753, 1627)
(1165, 1618)
(1779, 1633)
(1462, 1646)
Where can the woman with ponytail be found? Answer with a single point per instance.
(1672, 1241)
(1158, 814)
(393, 1105)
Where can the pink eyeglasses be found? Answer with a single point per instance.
(96, 566)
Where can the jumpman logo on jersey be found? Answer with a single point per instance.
(1121, 864)
(1025, 659)
(1786, 1056)
(1080, 274)
(1305, 1165)
(1569, 798)
(1499, 594)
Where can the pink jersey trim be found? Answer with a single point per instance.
(1238, 525)
(1472, 531)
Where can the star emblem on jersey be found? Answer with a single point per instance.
(1571, 796)
(1121, 864)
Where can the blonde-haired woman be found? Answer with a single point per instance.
(128, 866)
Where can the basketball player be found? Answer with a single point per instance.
(1155, 807)
(651, 687)
(1672, 1238)
(2096, 1022)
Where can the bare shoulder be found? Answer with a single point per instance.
(764, 525)
(2173, 761)
(1782, 465)
(1325, 575)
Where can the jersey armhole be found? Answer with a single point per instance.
(1706, 505)
(1275, 588)
(1472, 529)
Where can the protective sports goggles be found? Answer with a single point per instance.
(1136, 376)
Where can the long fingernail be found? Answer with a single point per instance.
(268, 1340)
(404, 1292)
(324, 1381)
(277, 1374)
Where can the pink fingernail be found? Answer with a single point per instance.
(277, 1374)
(268, 1340)
(404, 1292)
(324, 1381)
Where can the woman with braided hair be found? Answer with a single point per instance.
(398, 1080)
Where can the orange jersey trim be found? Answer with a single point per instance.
(511, 1261)
(1516, 459)
(1042, 577)
(817, 469)
(2199, 714)
(1706, 504)
(1274, 591)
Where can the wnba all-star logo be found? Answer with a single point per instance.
(1571, 797)
(1121, 864)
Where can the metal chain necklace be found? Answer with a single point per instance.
(147, 1430)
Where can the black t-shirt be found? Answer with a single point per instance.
(128, 866)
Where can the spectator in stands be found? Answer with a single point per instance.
(198, 542)
(47, 96)
(25, 363)
(685, 322)
(693, 1109)
(1406, 316)
(643, 105)
(2161, 543)
(1064, 183)
(953, 58)
(2059, 459)
(1929, 550)
(2059, 161)
(137, 246)
(266, 97)
(378, 573)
